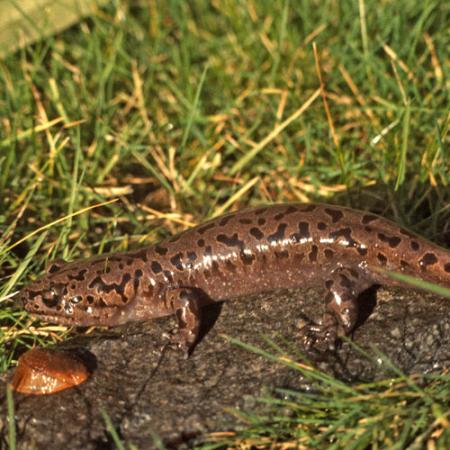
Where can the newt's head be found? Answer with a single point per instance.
(79, 293)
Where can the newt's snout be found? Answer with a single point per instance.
(47, 299)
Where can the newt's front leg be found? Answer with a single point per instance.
(186, 303)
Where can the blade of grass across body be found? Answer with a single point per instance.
(51, 224)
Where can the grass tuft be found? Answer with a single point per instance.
(397, 413)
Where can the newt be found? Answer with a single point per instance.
(246, 252)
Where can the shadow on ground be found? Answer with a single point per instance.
(147, 391)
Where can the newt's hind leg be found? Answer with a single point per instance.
(343, 287)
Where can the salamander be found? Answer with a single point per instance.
(251, 251)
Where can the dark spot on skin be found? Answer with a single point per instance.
(404, 264)
(32, 295)
(261, 221)
(129, 262)
(230, 266)
(245, 221)
(335, 214)
(289, 210)
(137, 279)
(393, 241)
(328, 253)
(282, 254)
(361, 250)
(120, 288)
(107, 288)
(260, 211)
(54, 267)
(303, 232)
(176, 261)
(354, 273)
(278, 235)
(313, 253)
(225, 220)
(97, 283)
(90, 299)
(201, 242)
(368, 218)
(428, 259)
(72, 286)
(346, 233)
(161, 250)
(108, 270)
(141, 254)
(232, 241)
(79, 276)
(208, 250)
(247, 259)
(329, 283)
(102, 303)
(120, 267)
(368, 229)
(206, 227)
(114, 258)
(148, 293)
(206, 273)
(447, 267)
(51, 302)
(415, 245)
(256, 233)
(382, 258)
(307, 208)
(345, 282)
(322, 226)
(168, 275)
(156, 267)
(215, 266)
(192, 256)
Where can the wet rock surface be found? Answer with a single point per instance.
(150, 390)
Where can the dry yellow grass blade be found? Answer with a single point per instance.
(27, 133)
(274, 133)
(61, 219)
(237, 195)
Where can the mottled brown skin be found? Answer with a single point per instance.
(246, 252)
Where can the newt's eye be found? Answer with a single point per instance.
(50, 298)
(49, 295)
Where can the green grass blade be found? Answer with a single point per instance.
(111, 430)
(11, 418)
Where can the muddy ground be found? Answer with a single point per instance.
(147, 391)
